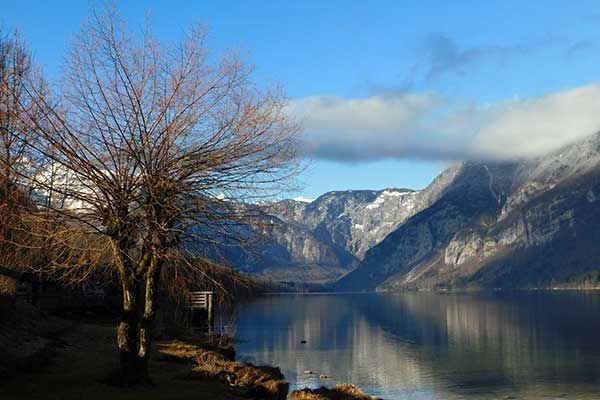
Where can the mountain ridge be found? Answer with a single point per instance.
(542, 204)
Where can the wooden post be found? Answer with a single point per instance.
(210, 313)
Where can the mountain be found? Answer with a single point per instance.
(351, 220)
(322, 240)
(523, 224)
(274, 250)
(356, 220)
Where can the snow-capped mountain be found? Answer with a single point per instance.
(515, 224)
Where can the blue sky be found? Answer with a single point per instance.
(391, 90)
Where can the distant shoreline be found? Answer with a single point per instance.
(453, 290)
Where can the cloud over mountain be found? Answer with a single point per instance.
(430, 126)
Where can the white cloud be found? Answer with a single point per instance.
(537, 126)
(430, 126)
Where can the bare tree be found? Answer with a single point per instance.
(155, 147)
(16, 243)
(15, 66)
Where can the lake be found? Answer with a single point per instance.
(529, 345)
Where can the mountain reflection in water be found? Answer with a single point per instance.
(431, 346)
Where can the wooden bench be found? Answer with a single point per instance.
(200, 301)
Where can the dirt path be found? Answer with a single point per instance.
(80, 368)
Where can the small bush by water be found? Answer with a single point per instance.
(340, 392)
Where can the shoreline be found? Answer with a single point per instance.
(80, 357)
(450, 290)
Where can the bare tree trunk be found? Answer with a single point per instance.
(148, 318)
(134, 335)
(127, 334)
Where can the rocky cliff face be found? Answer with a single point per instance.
(275, 250)
(351, 220)
(527, 224)
(474, 196)
(324, 239)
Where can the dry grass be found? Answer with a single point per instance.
(340, 392)
(245, 380)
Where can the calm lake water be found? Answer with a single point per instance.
(531, 345)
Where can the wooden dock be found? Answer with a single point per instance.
(200, 304)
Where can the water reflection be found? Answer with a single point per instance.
(432, 346)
